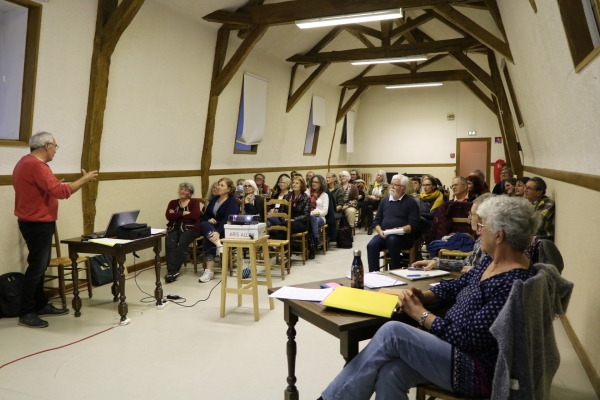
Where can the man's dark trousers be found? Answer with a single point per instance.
(38, 236)
(393, 243)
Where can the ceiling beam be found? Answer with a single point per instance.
(365, 30)
(242, 33)
(440, 46)
(362, 38)
(294, 98)
(350, 103)
(480, 95)
(432, 60)
(117, 23)
(475, 70)
(409, 26)
(474, 30)
(399, 79)
(480, 5)
(288, 12)
(492, 5)
(386, 27)
(328, 38)
(449, 24)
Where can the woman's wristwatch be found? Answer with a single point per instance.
(423, 318)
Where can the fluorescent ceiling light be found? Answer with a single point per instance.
(350, 18)
(389, 60)
(410, 85)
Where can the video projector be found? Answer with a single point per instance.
(244, 219)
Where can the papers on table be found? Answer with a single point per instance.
(414, 275)
(395, 231)
(155, 231)
(108, 241)
(363, 301)
(293, 293)
(374, 280)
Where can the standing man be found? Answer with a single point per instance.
(395, 211)
(36, 206)
(460, 189)
(535, 192)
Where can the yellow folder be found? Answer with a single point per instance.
(363, 301)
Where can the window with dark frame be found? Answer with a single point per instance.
(241, 148)
(312, 137)
(513, 96)
(580, 19)
(20, 22)
(344, 138)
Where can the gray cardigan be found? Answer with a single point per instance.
(528, 355)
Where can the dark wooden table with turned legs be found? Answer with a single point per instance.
(351, 328)
(119, 252)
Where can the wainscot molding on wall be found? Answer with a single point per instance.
(575, 178)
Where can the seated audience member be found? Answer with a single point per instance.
(213, 222)
(183, 228)
(475, 186)
(259, 179)
(239, 188)
(300, 203)
(214, 190)
(473, 258)
(535, 192)
(319, 204)
(378, 189)
(457, 352)
(416, 184)
(442, 188)
(520, 186)
(356, 179)
(284, 187)
(276, 190)
(460, 189)
(431, 199)
(252, 201)
(509, 186)
(396, 211)
(309, 176)
(292, 174)
(505, 173)
(336, 191)
(350, 197)
(479, 173)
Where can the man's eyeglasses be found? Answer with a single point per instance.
(530, 188)
(396, 184)
(55, 146)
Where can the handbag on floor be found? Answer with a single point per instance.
(11, 284)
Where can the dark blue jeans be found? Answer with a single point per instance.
(38, 236)
(176, 248)
(393, 244)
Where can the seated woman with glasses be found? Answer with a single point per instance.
(276, 190)
(319, 203)
(378, 189)
(356, 179)
(283, 189)
(253, 203)
(456, 352)
(300, 203)
(183, 228)
(431, 199)
(259, 180)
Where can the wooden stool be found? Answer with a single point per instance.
(251, 285)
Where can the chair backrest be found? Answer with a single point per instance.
(203, 203)
(56, 243)
(451, 216)
(275, 212)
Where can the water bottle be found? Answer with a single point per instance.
(357, 272)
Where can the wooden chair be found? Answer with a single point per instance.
(412, 254)
(62, 264)
(445, 253)
(199, 243)
(323, 233)
(301, 239)
(436, 392)
(283, 252)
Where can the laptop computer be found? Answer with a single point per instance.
(116, 220)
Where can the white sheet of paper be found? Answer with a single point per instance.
(396, 231)
(109, 242)
(293, 293)
(154, 231)
(374, 280)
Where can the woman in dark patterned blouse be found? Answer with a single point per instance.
(458, 353)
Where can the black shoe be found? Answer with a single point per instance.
(171, 277)
(370, 231)
(319, 243)
(50, 311)
(31, 320)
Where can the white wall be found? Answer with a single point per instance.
(13, 32)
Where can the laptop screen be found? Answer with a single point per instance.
(118, 219)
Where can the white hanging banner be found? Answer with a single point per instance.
(350, 120)
(318, 111)
(255, 110)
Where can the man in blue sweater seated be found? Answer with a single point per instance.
(396, 221)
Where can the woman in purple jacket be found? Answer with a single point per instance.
(183, 227)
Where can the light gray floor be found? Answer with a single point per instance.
(187, 353)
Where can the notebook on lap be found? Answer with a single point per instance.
(116, 220)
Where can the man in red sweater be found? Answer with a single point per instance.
(36, 206)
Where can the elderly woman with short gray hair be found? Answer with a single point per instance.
(183, 228)
(457, 352)
(350, 197)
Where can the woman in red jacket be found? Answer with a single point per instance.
(183, 215)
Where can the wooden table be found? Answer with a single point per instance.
(349, 327)
(119, 251)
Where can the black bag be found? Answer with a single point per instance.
(344, 235)
(10, 294)
(133, 231)
(102, 272)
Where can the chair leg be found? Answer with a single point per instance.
(195, 255)
(282, 261)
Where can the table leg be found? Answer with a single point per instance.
(158, 291)
(75, 274)
(122, 305)
(348, 347)
(115, 286)
(224, 261)
(291, 393)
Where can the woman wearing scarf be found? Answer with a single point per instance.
(377, 190)
(253, 202)
(319, 204)
(431, 199)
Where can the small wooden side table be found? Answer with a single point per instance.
(245, 286)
